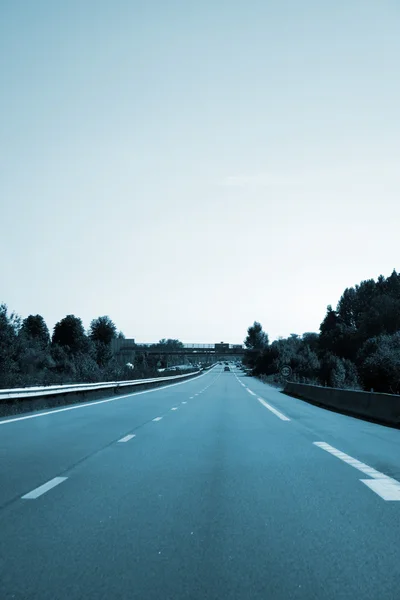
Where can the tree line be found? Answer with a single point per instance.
(357, 347)
(30, 356)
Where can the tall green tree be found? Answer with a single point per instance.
(330, 321)
(267, 362)
(392, 285)
(256, 338)
(305, 363)
(69, 333)
(34, 328)
(379, 363)
(10, 325)
(366, 291)
(311, 339)
(332, 371)
(336, 336)
(328, 329)
(102, 330)
(256, 342)
(347, 307)
(86, 368)
(34, 357)
(103, 354)
(64, 365)
(381, 317)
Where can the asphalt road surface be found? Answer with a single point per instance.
(217, 488)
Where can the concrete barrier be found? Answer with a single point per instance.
(371, 406)
(16, 401)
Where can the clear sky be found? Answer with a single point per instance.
(189, 167)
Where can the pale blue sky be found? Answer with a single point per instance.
(189, 167)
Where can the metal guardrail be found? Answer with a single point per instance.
(81, 387)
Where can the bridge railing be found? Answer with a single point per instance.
(200, 346)
(195, 346)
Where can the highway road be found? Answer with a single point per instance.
(216, 488)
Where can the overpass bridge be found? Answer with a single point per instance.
(195, 348)
(191, 353)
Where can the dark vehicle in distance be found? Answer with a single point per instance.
(226, 369)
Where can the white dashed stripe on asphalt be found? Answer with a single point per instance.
(351, 461)
(174, 408)
(383, 485)
(388, 490)
(127, 438)
(157, 419)
(250, 392)
(44, 488)
(273, 410)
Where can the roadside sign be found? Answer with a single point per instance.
(286, 371)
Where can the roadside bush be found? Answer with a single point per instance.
(380, 364)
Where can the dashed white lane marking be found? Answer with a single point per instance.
(351, 461)
(39, 491)
(184, 402)
(157, 419)
(273, 410)
(388, 490)
(191, 397)
(386, 487)
(127, 438)
(250, 392)
(174, 408)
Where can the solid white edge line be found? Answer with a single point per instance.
(127, 438)
(273, 410)
(42, 489)
(89, 404)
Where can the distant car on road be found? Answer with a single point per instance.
(226, 369)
